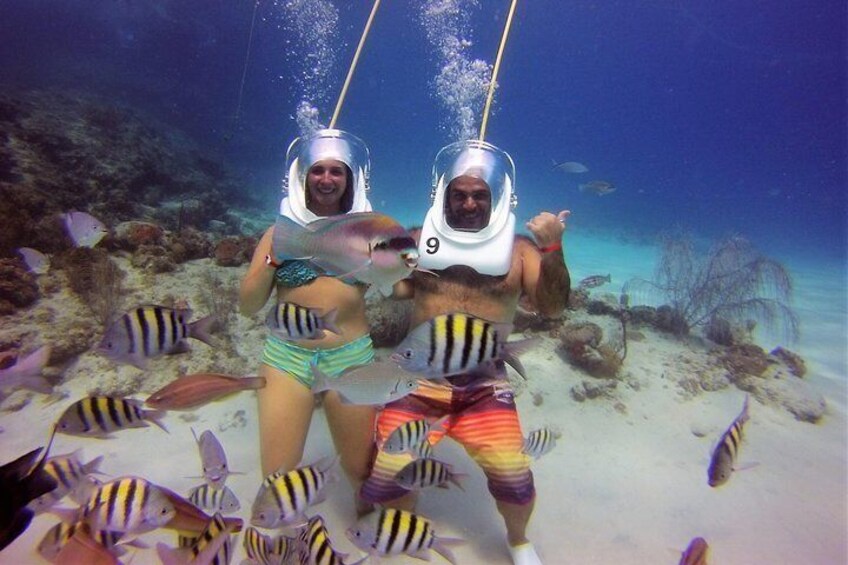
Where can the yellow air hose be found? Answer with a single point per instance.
(495, 70)
(353, 64)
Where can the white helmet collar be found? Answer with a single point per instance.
(489, 250)
(305, 151)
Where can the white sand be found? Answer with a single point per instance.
(621, 486)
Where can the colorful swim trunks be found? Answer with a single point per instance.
(294, 359)
(482, 418)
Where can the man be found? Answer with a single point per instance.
(483, 269)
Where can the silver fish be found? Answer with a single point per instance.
(399, 531)
(453, 344)
(570, 167)
(213, 459)
(36, 261)
(376, 383)
(99, 416)
(290, 321)
(594, 281)
(724, 455)
(149, 331)
(372, 248)
(26, 372)
(84, 229)
(599, 187)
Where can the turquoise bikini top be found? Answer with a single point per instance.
(294, 273)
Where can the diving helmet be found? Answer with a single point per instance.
(307, 150)
(489, 249)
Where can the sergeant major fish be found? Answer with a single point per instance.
(283, 497)
(369, 247)
(452, 344)
(99, 416)
(69, 473)
(149, 331)
(726, 451)
(410, 435)
(292, 322)
(315, 540)
(207, 497)
(539, 442)
(423, 473)
(127, 504)
(399, 531)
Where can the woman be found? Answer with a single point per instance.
(334, 182)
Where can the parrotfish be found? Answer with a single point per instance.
(369, 247)
(453, 344)
(149, 331)
(376, 383)
(726, 451)
(399, 531)
(85, 230)
(190, 391)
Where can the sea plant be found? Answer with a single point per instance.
(732, 281)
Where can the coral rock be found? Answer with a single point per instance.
(793, 361)
(234, 251)
(747, 359)
(18, 287)
(389, 320)
(132, 235)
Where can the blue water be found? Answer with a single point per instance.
(720, 117)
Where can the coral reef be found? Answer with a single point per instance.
(583, 347)
(95, 278)
(793, 361)
(18, 287)
(732, 281)
(65, 151)
(234, 251)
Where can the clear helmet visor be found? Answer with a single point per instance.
(322, 145)
(474, 161)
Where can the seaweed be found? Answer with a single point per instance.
(732, 281)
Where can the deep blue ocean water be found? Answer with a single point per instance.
(717, 118)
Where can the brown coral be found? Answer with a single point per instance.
(746, 359)
(18, 287)
(793, 361)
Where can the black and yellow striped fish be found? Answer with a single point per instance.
(539, 442)
(57, 536)
(411, 436)
(283, 497)
(724, 455)
(99, 416)
(291, 321)
(426, 472)
(128, 504)
(69, 473)
(399, 531)
(319, 550)
(454, 344)
(222, 500)
(149, 331)
(216, 527)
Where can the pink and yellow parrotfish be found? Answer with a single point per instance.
(372, 248)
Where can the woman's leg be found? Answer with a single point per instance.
(285, 410)
(352, 428)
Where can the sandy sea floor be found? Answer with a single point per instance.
(626, 482)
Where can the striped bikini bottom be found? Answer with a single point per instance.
(293, 359)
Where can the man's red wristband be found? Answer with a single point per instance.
(552, 247)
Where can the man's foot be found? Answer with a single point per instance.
(524, 554)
